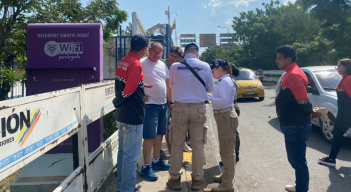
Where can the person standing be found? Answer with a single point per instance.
(130, 106)
(155, 124)
(227, 121)
(343, 119)
(294, 111)
(174, 55)
(191, 79)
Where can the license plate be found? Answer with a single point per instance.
(250, 92)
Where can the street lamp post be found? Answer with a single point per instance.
(228, 40)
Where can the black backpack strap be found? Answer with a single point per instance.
(194, 73)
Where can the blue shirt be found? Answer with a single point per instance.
(223, 93)
(186, 88)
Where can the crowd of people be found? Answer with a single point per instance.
(157, 98)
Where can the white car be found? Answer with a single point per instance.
(321, 92)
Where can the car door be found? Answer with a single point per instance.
(314, 94)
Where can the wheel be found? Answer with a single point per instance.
(327, 128)
(261, 98)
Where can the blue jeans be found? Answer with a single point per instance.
(295, 144)
(129, 146)
(155, 121)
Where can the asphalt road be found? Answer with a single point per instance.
(263, 164)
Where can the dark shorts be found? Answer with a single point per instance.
(155, 121)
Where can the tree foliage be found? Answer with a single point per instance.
(319, 30)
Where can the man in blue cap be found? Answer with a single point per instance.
(130, 112)
(191, 79)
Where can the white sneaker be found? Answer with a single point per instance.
(290, 188)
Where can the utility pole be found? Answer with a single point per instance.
(169, 16)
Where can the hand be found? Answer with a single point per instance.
(147, 98)
(209, 95)
(315, 114)
(149, 86)
(170, 108)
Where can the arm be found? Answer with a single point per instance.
(224, 96)
(169, 90)
(209, 83)
(131, 84)
(297, 87)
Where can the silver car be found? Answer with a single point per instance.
(322, 82)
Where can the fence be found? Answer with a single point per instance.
(272, 75)
(35, 124)
(17, 91)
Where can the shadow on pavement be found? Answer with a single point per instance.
(210, 173)
(317, 142)
(334, 177)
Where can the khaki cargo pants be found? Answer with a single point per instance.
(227, 124)
(188, 117)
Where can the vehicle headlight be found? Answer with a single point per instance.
(260, 86)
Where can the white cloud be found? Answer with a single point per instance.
(286, 2)
(241, 2)
(204, 5)
(213, 12)
(228, 22)
(215, 3)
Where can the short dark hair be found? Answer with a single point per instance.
(347, 64)
(176, 49)
(287, 51)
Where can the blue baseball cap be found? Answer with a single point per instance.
(191, 45)
(216, 63)
(139, 41)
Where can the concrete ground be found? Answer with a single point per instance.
(263, 165)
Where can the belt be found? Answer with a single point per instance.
(222, 110)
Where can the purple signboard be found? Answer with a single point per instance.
(65, 55)
(64, 45)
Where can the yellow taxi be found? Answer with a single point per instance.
(249, 85)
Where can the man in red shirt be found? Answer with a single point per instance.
(130, 112)
(294, 112)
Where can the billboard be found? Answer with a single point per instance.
(208, 40)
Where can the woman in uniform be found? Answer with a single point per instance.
(343, 118)
(226, 119)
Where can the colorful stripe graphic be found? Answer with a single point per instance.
(26, 131)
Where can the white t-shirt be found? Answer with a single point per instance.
(223, 93)
(156, 74)
(186, 88)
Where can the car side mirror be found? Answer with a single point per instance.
(309, 89)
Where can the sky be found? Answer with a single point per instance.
(192, 16)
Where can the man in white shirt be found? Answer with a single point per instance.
(189, 114)
(155, 124)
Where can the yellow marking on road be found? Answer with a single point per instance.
(187, 157)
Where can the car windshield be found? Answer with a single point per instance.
(328, 79)
(246, 75)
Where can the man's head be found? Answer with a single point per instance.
(139, 43)
(174, 55)
(155, 51)
(191, 48)
(286, 55)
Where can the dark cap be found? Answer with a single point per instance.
(191, 45)
(216, 63)
(139, 41)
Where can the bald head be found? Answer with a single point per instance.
(155, 52)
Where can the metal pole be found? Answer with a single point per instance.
(125, 46)
(120, 41)
(169, 16)
(176, 33)
(228, 47)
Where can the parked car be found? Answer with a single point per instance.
(249, 85)
(322, 82)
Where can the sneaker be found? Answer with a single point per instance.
(326, 161)
(186, 148)
(290, 188)
(160, 165)
(148, 173)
